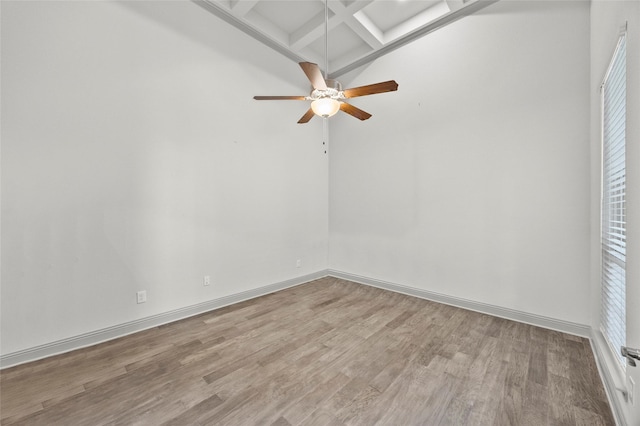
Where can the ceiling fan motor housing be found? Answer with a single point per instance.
(334, 91)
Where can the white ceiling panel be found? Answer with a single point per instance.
(288, 15)
(342, 40)
(388, 14)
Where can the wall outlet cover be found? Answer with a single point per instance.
(141, 296)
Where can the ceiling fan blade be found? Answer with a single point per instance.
(314, 75)
(371, 89)
(356, 112)
(279, 98)
(306, 117)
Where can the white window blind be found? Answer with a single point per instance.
(613, 200)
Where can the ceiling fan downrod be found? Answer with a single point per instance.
(326, 39)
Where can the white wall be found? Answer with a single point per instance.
(607, 17)
(473, 179)
(128, 163)
(134, 157)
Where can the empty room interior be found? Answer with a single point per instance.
(438, 252)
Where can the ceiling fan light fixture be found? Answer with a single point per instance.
(325, 107)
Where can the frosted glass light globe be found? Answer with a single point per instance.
(325, 107)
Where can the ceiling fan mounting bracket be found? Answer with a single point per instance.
(334, 84)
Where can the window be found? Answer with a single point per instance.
(613, 200)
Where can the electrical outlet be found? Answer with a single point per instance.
(207, 280)
(631, 390)
(141, 296)
(298, 263)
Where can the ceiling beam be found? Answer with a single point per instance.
(226, 16)
(296, 46)
(242, 7)
(366, 30)
(470, 8)
(314, 28)
(418, 21)
(455, 4)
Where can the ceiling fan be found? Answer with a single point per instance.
(327, 96)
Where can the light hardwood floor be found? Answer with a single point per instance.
(329, 352)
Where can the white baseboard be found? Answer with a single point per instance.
(120, 330)
(612, 379)
(576, 329)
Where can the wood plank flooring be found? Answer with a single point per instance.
(329, 352)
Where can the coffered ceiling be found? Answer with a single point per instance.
(359, 30)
